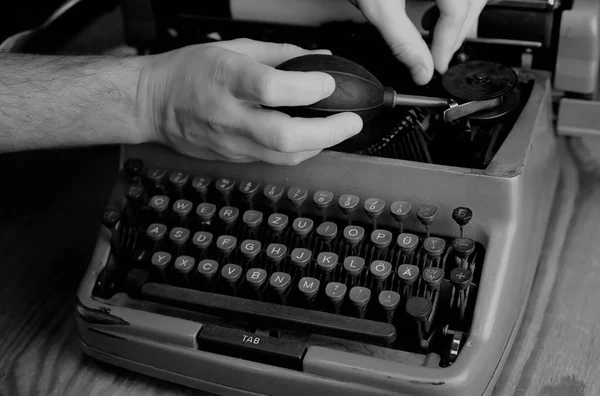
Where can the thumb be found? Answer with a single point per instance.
(271, 54)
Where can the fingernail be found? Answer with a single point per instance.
(322, 51)
(328, 83)
(354, 126)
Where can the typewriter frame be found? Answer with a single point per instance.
(512, 202)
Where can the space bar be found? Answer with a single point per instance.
(263, 314)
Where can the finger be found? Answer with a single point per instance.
(447, 30)
(255, 82)
(280, 132)
(404, 40)
(252, 151)
(475, 8)
(271, 54)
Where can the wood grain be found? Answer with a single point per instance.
(557, 349)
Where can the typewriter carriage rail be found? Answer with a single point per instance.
(511, 201)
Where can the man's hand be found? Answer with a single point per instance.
(206, 101)
(456, 19)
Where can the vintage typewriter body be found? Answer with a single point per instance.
(399, 262)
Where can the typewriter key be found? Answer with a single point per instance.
(280, 282)
(256, 278)
(463, 247)
(132, 168)
(273, 194)
(348, 204)
(248, 190)
(388, 301)
(360, 297)
(297, 195)
(156, 177)
(250, 248)
(400, 211)
(336, 292)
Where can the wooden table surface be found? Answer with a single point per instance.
(50, 208)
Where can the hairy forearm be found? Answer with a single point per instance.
(67, 101)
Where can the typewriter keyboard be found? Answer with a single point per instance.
(288, 259)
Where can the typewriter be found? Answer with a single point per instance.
(396, 263)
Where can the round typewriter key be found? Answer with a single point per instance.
(433, 276)
(252, 218)
(179, 236)
(207, 268)
(327, 261)
(179, 179)
(276, 252)
(381, 269)
(226, 243)
(389, 300)
(407, 242)
(463, 247)
(354, 265)
(273, 193)
(400, 210)
(408, 274)
(133, 168)
(323, 199)
(427, 214)
(110, 218)
(297, 195)
(225, 186)
(231, 273)
(374, 207)
(302, 226)
(206, 211)
(462, 216)
(277, 221)
(348, 203)
(256, 277)
(335, 291)
(156, 176)
(161, 260)
(250, 248)
(419, 308)
(159, 203)
(460, 278)
(354, 234)
(229, 214)
(479, 80)
(248, 188)
(301, 257)
(182, 207)
(434, 247)
(381, 238)
(135, 193)
(327, 230)
(360, 297)
(184, 264)
(202, 239)
(201, 183)
(309, 287)
(136, 278)
(280, 281)
(156, 231)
